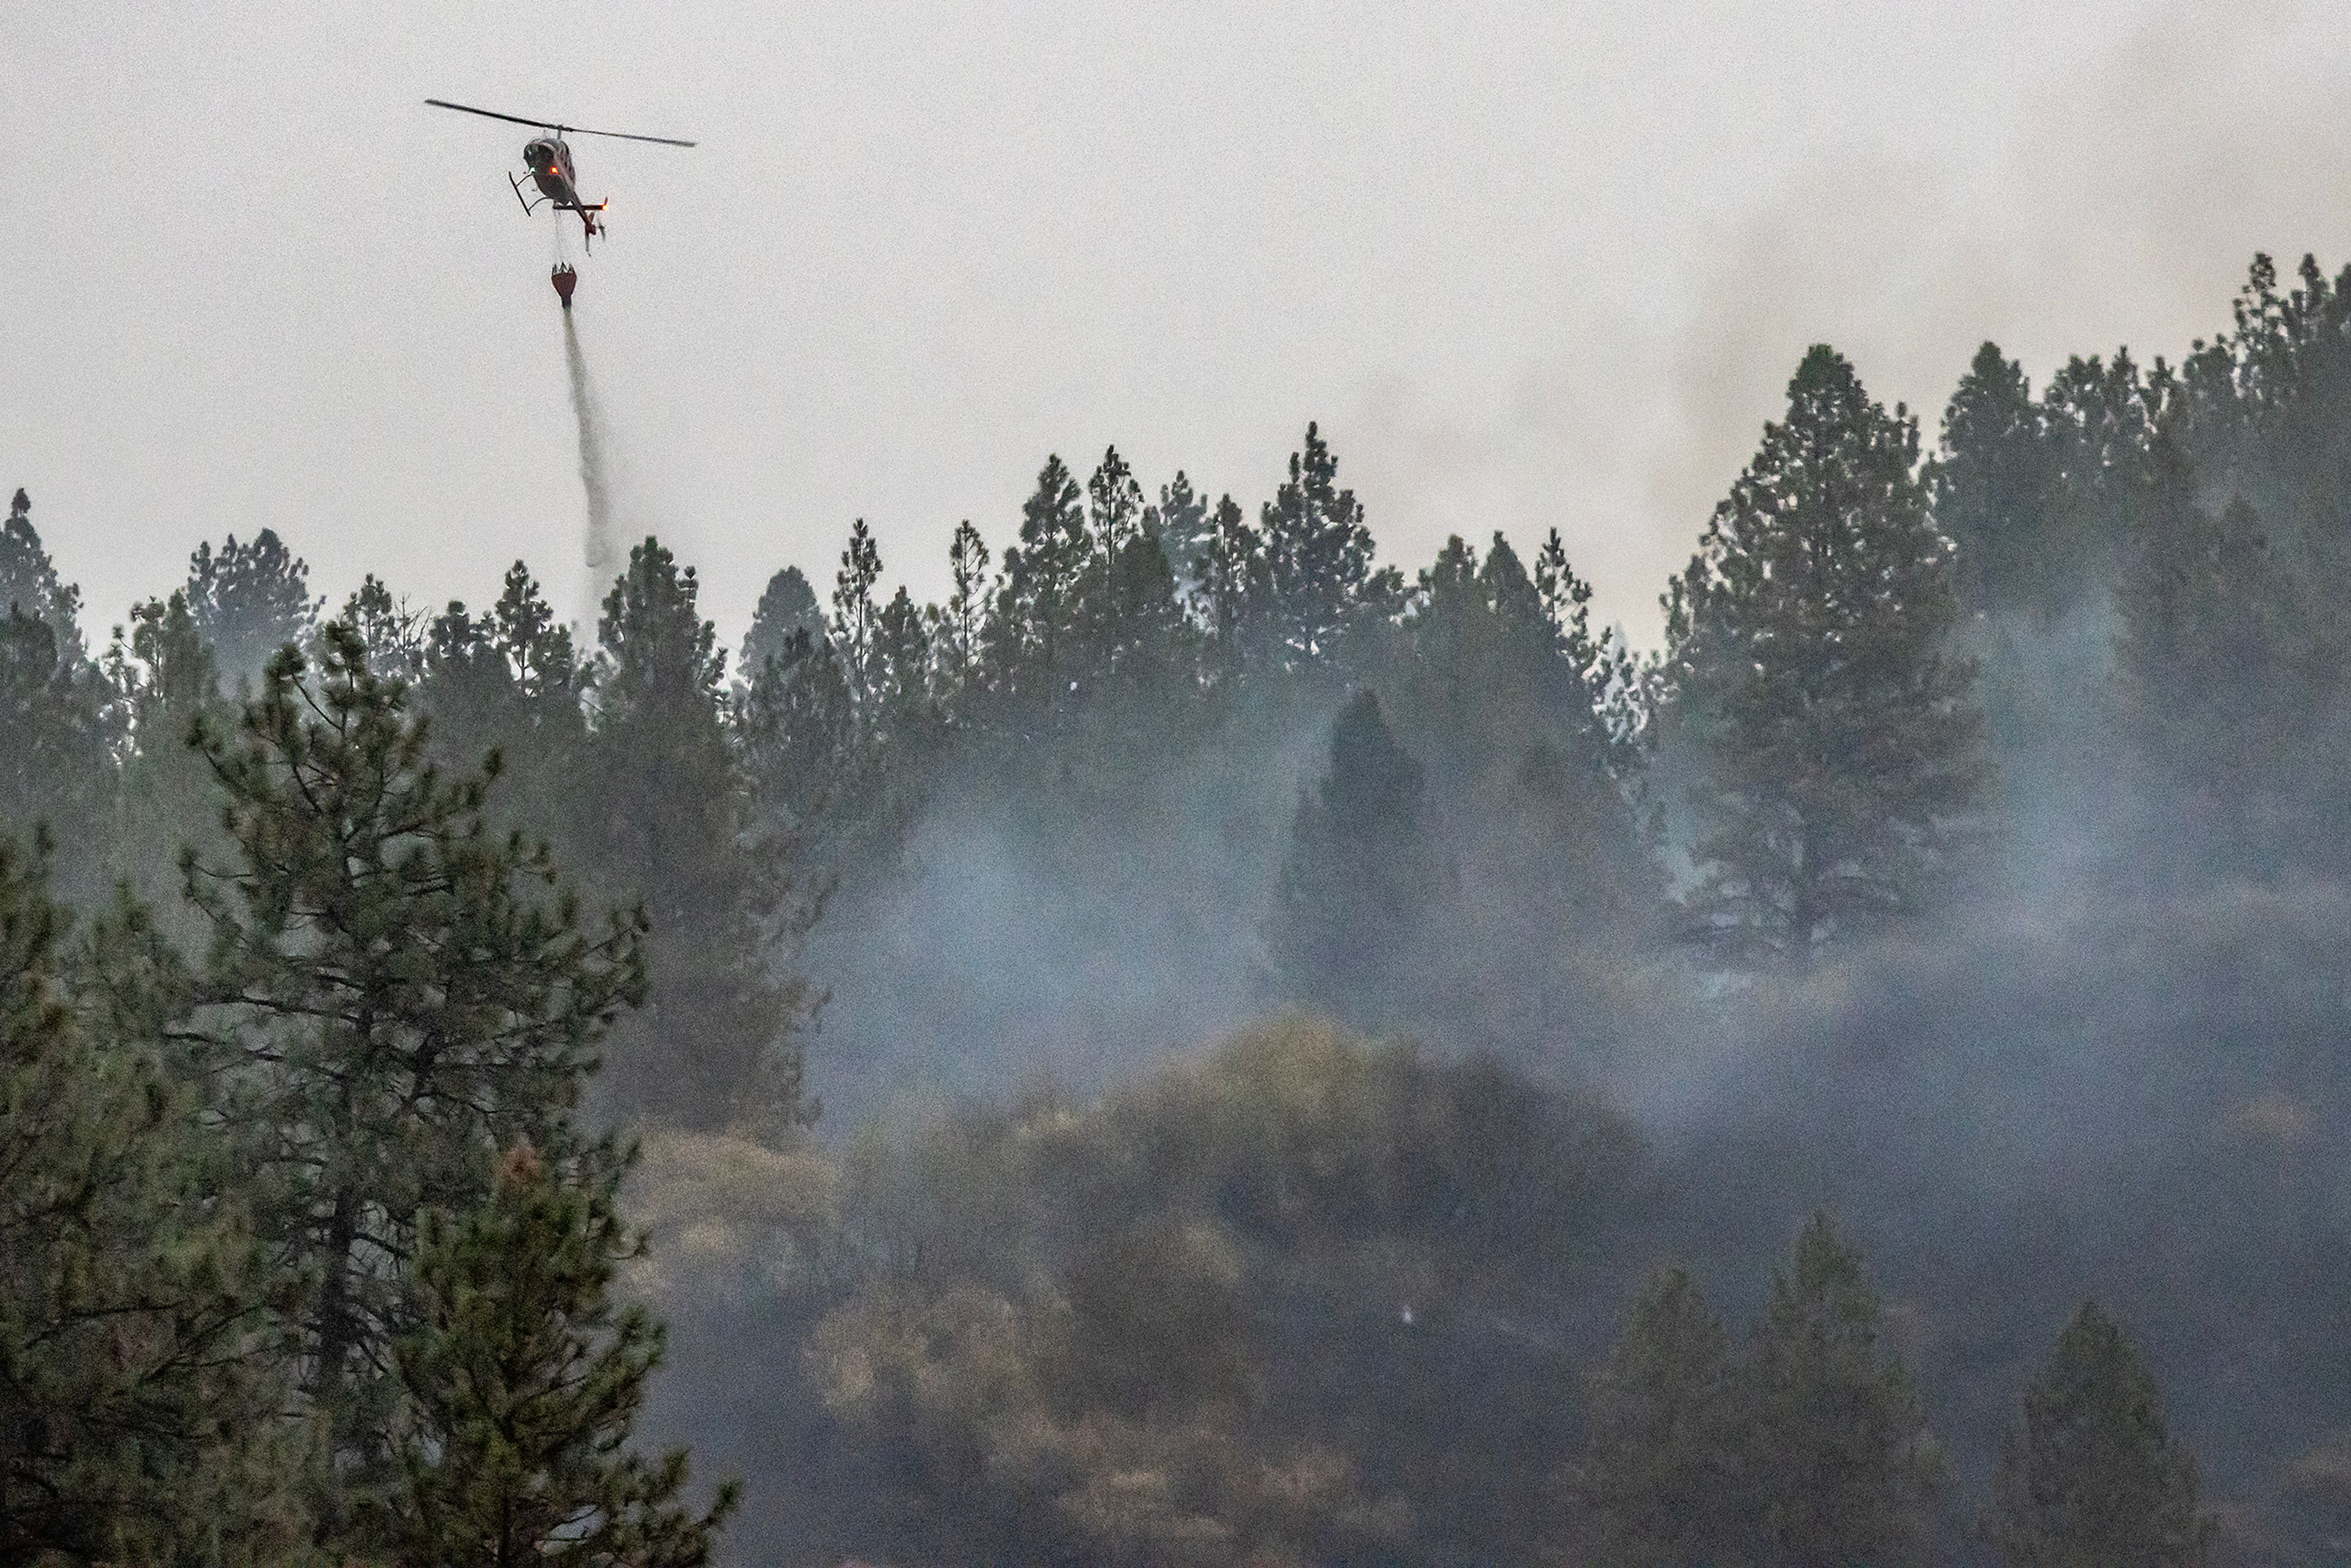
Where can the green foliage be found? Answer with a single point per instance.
(1828, 732)
(1811, 1449)
(1285, 1244)
(29, 583)
(247, 601)
(1992, 486)
(1323, 589)
(523, 1383)
(395, 636)
(1034, 621)
(796, 727)
(1359, 876)
(1660, 1480)
(1843, 1467)
(786, 606)
(167, 684)
(2204, 606)
(716, 1040)
(2093, 1476)
(135, 1417)
(57, 766)
(394, 992)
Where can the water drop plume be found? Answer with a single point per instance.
(592, 476)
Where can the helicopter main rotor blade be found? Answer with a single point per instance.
(624, 136)
(492, 114)
(551, 125)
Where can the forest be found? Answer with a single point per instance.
(1205, 1048)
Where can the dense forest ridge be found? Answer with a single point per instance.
(310, 1047)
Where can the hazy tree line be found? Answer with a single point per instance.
(335, 945)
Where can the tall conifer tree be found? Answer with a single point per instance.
(250, 600)
(394, 991)
(1843, 1468)
(716, 1042)
(1831, 736)
(1359, 876)
(137, 1417)
(524, 1381)
(2093, 1476)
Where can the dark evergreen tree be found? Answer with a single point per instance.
(2210, 678)
(958, 629)
(1318, 556)
(788, 605)
(1991, 484)
(2095, 414)
(903, 713)
(57, 764)
(1843, 1470)
(250, 600)
(165, 682)
(2093, 1478)
(857, 617)
(511, 682)
(136, 1415)
(396, 637)
(1615, 682)
(523, 1383)
(393, 993)
(1659, 1481)
(796, 727)
(1831, 737)
(716, 1040)
(1034, 628)
(1231, 584)
(29, 584)
(1358, 877)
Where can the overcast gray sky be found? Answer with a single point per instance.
(1529, 265)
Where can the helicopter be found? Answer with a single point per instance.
(547, 160)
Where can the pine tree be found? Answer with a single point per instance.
(1324, 589)
(1035, 625)
(786, 605)
(135, 1414)
(1991, 484)
(57, 764)
(165, 682)
(958, 629)
(716, 1040)
(1843, 1468)
(1659, 1479)
(250, 600)
(2093, 1478)
(903, 713)
(522, 1382)
(2096, 415)
(29, 583)
(394, 992)
(396, 636)
(1359, 875)
(797, 728)
(1614, 682)
(510, 682)
(2208, 680)
(1832, 739)
(1231, 584)
(856, 616)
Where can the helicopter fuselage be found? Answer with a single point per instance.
(549, 162)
